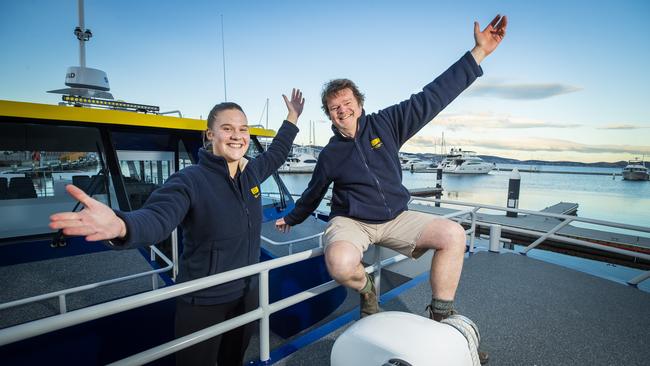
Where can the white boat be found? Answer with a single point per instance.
(302, 159)
(635, 170)
(459, 161)
(414, 163)
(301, 163)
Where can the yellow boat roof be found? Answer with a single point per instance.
(55, 113)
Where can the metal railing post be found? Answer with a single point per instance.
(472, 231)
(265, 352)
(175, 254)
(62, 304)
(495, 238)
(377, 269)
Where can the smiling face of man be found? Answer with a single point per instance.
(344, 110)
(229, 135)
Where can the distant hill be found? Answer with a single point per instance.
(602, 164)
(500, 160)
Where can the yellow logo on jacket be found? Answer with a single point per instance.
(376, 143)
(255, 191)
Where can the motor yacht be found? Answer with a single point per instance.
(460, 161)
(415, 163)
(635, 170)
(299, 163)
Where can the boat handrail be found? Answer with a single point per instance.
(262, 313)
(291, 242)
(551, 234)
(61, 294)
(645, 229)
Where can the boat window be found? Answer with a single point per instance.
(143, 172)
(273, 191)
(184, 158)
(37, 161)
(146, 161)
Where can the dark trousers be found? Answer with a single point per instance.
(224, 350)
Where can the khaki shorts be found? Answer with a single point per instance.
(399, 234)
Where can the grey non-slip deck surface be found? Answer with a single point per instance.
(35, 278)
(534, 313)
(308, 227)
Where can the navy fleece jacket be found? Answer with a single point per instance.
(221, 217)
(366, 170)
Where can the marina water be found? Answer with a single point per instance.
(600, 196)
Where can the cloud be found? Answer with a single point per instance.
(622, 126)
(521, 91)
(529, 144)
(455, 122)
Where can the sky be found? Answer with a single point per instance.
(568, 82)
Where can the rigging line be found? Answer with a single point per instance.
(265, 109)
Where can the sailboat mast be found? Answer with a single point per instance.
(267, 113)
(223, 55)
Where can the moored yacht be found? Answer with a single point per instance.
(415, 163)
(635, 170)
(465, 162)
(301, 163)
(301, 160)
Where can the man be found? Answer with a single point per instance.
(369, 203)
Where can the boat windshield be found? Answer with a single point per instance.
(119, 166)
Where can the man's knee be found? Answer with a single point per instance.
(443, 234)
(342, 259)
(457, 236)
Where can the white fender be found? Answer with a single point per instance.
(374, 340)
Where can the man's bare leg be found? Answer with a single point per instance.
(343, 261)
(447, 238)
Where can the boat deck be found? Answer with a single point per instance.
(23, 280)
(530, 312)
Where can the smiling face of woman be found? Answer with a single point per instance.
(229, 135)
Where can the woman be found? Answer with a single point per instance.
(217, 203)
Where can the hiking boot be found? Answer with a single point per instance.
(483, 357)
(368, 301)
(439, 317)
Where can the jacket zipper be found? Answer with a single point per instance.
(240, 195)
(365, 163)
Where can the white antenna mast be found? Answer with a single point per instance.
(83, 34)
(84, 81)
